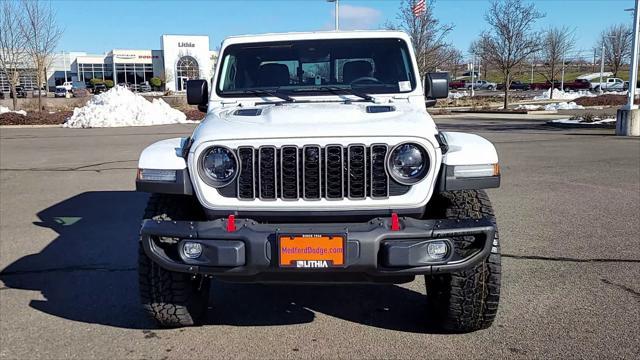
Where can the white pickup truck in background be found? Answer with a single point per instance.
(482, 84)
(612, 84)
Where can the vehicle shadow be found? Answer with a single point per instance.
(89, 274)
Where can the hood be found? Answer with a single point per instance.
(334, 119)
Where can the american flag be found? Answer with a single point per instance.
(419, 8)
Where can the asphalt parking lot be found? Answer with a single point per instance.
(568, 211)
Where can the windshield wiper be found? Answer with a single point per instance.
(337, 89)
(269, 92)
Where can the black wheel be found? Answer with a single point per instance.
(172, 299)
(466, 301)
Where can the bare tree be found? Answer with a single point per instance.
(42, 34)
(617, 46)
(557, 42)
(427, 33)
(453, 60)
(510, 40)
(12, 45)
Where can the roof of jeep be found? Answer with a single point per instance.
(316, 35)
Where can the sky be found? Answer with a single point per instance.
(99, 26)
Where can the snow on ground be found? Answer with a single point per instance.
(7, 110)
(458, 94)
(121, 107)
(594, 75)
(562, 95)
(551, 107)
(582, 122)
(528, 107)
(563, 106)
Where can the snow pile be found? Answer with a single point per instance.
(528, 107)
(594, 75)
(121, 107)
(6, 110)
(458, 95)
(562, 95)
(596, 121)
(563, 106)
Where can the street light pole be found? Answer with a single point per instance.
(633, 68)
(473, 73)
(628, 117)
(337, 5)
(532, 63)
(601, 65)
(562, 78)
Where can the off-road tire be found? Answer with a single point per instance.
(172, 299)
(467, 300)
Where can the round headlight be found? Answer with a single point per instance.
(219, 166)
(408, 163)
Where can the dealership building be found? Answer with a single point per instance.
(180, 58)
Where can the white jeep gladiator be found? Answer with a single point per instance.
(317, 162)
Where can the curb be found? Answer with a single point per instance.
(582, 126)
(29, 126)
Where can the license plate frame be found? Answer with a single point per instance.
(311, 259)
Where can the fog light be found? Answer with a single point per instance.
(192, 250)
(437, 250)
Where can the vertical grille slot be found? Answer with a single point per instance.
(311, 156)
(357, 171)
(246, 178)
(379, 179)
(334, 165)
(267, 172)
(289, 172)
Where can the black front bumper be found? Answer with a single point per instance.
(373, 250)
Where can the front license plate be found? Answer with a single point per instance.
(311, 250)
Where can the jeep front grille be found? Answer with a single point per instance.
(313, 172)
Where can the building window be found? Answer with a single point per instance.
(86, 72)
(132, 73)
(186, 69)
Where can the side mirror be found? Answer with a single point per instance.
(198, 94)
(436, 85)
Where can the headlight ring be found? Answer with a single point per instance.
(218, 166)
(408, 163)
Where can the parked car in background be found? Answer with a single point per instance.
(544, 85)
(515, 85)
(39, 92)
(482, 85)
(20, 92)
(577, 84)
(611, 84)
(62, 92)
(457, 84)
(99, 88)
(67, 85)
(144, 88)
(134, 87)
(79, 89)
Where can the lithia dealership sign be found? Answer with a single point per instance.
(186, 44)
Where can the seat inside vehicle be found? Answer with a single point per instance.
(356, 69)
(273, 75)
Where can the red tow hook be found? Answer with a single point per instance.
(395, 222)
(231, 223)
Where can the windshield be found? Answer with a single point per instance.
(311, 67)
